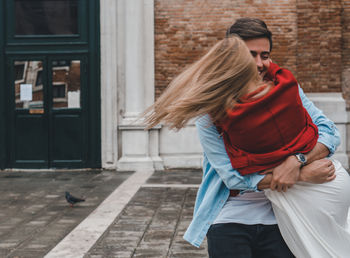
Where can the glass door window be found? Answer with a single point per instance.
(66, 84)
(28, 84)
(46, 17)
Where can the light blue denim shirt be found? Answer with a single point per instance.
(219, 176)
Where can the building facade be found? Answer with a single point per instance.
(76, 75)
(157, 39)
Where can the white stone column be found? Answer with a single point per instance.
(109, 57)
(139, 149)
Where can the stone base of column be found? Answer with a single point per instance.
(139, 163)
(139, 148)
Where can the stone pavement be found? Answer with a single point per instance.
(34, 216)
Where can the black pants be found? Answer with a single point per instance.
(233, 240)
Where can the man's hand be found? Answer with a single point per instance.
(285, 175)
(265, 182)
(318, 172)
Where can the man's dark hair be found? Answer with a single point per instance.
(250, 28)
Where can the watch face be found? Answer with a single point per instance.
(301, 158)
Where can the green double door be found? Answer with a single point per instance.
(50, 84)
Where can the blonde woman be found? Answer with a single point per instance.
(223, 84)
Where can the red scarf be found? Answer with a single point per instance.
(262, 133)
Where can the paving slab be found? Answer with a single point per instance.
(155, 220)
(151, 225)
(34, 215)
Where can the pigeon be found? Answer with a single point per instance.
(73, 200)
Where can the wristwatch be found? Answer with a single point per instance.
(301, 158)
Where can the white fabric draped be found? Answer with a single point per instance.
(313, 218)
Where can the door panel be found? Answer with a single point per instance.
(31, 141)
(67, 112)
(68, 139)
(29, 129)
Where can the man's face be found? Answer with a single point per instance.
(260, 50)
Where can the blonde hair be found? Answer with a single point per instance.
(212, 85)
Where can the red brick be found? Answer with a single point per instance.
(311, 37)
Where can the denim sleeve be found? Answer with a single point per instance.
(214, 150)
(328, 132)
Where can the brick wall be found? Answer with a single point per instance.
(319, 61)
(346, 51)
(307, 36)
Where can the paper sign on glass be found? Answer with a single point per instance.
(26, 92)
(74, 99)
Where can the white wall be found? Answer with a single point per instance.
(334, 107)
(180, 149)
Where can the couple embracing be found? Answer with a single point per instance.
(269, 187)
